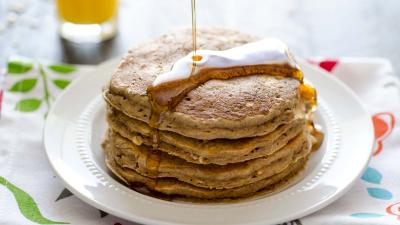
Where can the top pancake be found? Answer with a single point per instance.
(217, 109)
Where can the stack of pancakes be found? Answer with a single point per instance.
(227, 139)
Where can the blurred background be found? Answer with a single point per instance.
(311, 28)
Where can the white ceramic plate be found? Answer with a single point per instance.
(76, 125)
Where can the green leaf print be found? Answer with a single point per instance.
(61, 83)
(27, 206)
(64, 69)
(18, 67)
(24, 85)
(28, 105)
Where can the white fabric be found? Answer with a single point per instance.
(24, 164)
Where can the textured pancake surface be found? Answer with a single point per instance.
(154, 164)
(174, 187)
(227, 139)
(235, 108)
(217, 151)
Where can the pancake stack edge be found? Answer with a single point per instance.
(227, 140)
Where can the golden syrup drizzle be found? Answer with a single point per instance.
(157, 109)
(316, 134)
(308, 93)
(194, 44)
(268, 56)
(196, 58)
(154, 122)
(165, 93)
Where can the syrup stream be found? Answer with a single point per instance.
(194, 44)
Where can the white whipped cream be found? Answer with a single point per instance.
(266, 51)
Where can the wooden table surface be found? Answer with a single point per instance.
(331, 28)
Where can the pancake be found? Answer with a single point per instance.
(153, 164)
(171, 186)
(235, 108)
(226, 139)
(218, 151)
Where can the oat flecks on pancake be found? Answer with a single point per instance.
(171, 186)
(219, 151)
(228, 139)
(217, 109)
(154, 164)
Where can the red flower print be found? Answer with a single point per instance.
(394, 210)
(383, 124)
(327, 65)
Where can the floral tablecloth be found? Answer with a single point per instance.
(31, 193)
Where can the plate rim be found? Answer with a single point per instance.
(140, 219)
